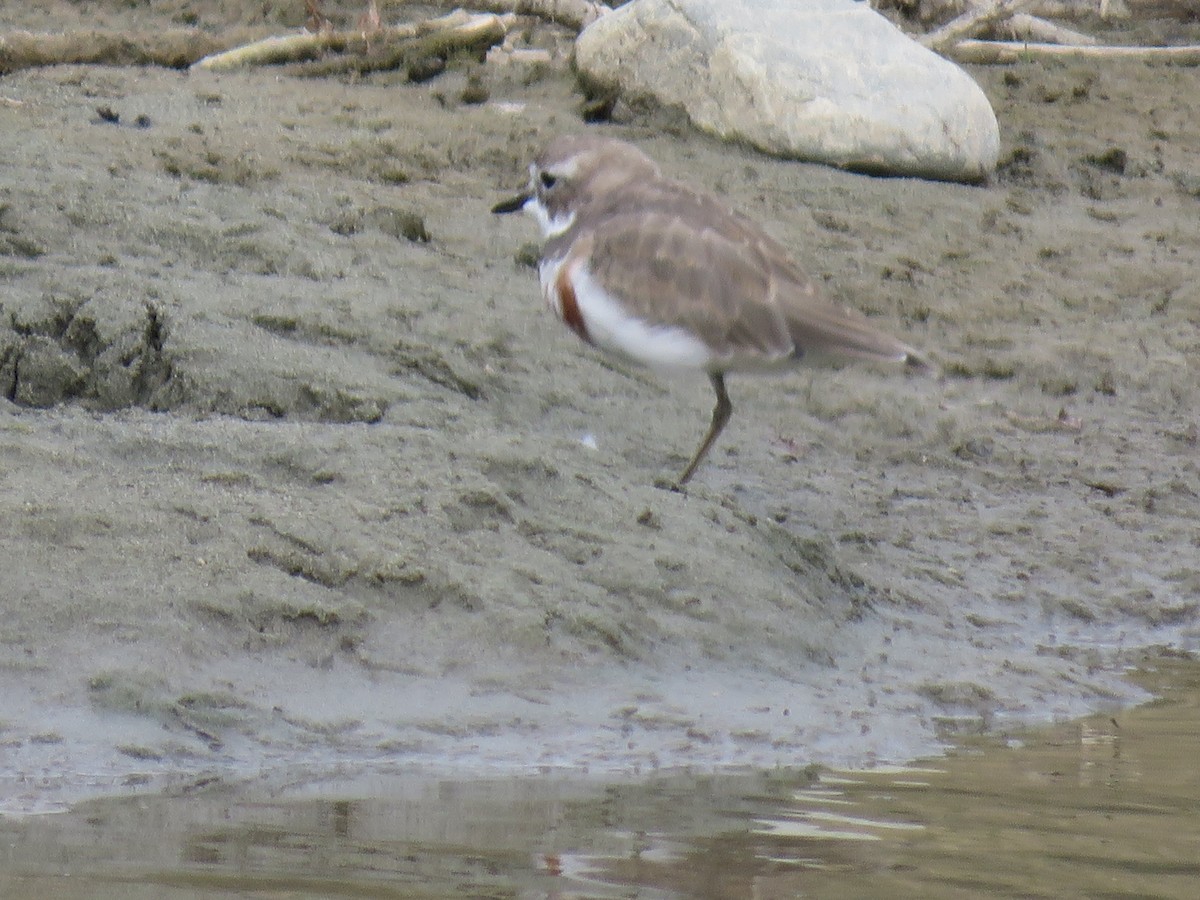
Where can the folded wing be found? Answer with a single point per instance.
(675, 257)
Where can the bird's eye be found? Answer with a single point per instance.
(548, 180)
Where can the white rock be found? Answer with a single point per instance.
(824, 80)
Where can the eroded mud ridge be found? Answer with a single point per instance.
(58, 354)
(299, 472)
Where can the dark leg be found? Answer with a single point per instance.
(720, 417)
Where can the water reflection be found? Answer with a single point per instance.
(1104, 807)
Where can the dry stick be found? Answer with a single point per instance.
(182, 48)
(1024, 27)
(1073, 10)
(944, 10)
(992, 52)
(174, 49)
(298, 48)
(310, 45)
(576, 14)
(277, 49)
(1108, 10)
(972, 22)
(476, 34)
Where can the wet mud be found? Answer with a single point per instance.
(298, 471)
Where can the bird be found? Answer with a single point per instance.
(654, 271)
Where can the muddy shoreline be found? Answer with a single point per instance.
(290, 484)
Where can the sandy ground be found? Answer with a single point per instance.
(297, 473)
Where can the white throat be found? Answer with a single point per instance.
(552, 226)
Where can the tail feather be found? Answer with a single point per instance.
(829, 330)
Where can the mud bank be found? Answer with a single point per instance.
(297, 471)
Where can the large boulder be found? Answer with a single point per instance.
(824, 80)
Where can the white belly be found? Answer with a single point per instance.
(606, 323)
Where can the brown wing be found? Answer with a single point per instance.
(678, 257)
(665, 271)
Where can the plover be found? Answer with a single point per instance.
(649, 269)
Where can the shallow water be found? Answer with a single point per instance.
(1105, 806)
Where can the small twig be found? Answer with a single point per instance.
(1107, 488)
(1064, 421)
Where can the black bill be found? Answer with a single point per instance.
(513, 205)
